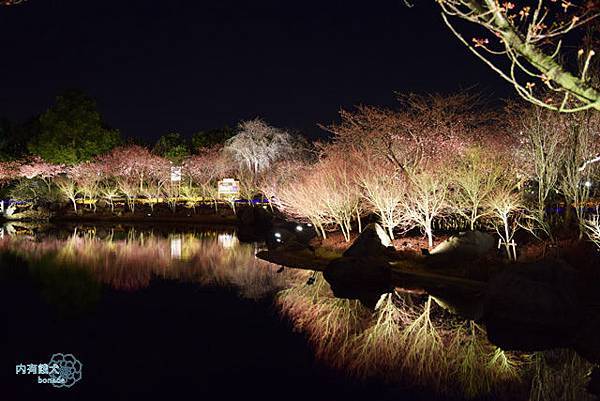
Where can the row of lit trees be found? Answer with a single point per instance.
(136, 173)
(437, 159)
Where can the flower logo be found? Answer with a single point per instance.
(68, 371)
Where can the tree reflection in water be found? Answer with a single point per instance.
(129, 261)
(405, 339)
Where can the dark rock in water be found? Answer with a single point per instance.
(373, 241)
(363, 278)
(256, 217)
(532, 307)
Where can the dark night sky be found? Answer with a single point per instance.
(165, 66)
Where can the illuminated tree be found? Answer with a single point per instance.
(68, 188)
(36, 167)
(134, 163)
(474, 177)
(204, 169)
(582, 140)
(129, 188)
(422, 133)
(302, 198)
(383, 189)
(71, 131)
(592, 227)
(339, 192)
(8, 171)
(109, 190)
(258, 145)
(530, 35)
(424, 200)
(542, 150)
(173, 147)
(279, 176)
(87, 177)
(507, 208)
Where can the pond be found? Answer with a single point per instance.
(161, 313)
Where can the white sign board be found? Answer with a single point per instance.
(175, 173)
(228, 188)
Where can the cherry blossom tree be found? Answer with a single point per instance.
(421, 133)
(382, 188)
(301, 198)
(109, 190)
(530, 35)
(507, 209)
(36, 167)
(473, 178)
(9, 170)
(204, 169)
(68, 188)
(582, 140)
(87, 177)
(425, 200)
(258, 145)
(341, 196)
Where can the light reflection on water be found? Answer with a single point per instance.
(128, 259)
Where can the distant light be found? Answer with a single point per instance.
(588, 184)
(308, 224)
(278, 240)
(299, 228)
(149, 214)
(277, 235)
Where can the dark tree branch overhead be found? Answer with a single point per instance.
(524, 33)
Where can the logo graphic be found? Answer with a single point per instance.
(68, 372)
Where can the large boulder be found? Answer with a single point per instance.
(533, 306)
(373, 241)
(255, 217)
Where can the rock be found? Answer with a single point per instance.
(467, 244)
(363, 278)
(256, 217)
(373, 241)
(532, 307)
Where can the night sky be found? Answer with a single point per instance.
(182, 66)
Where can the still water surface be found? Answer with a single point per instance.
(157, 313)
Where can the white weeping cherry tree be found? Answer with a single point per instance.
(258, 145)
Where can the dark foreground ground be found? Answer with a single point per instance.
(168, 341)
